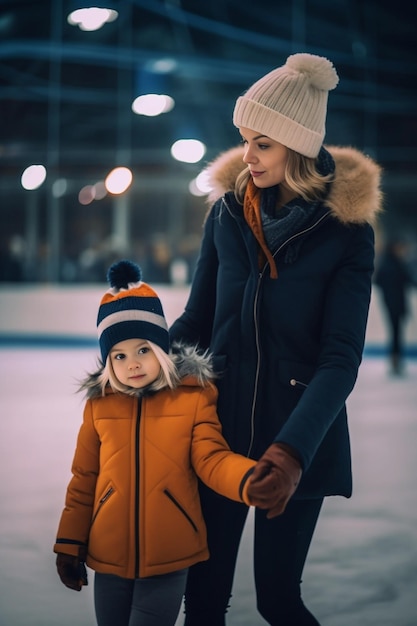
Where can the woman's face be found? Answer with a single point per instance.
(134, 363)
(265, 158)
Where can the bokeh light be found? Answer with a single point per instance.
(118, 180)
(33, 177)
(188, 150)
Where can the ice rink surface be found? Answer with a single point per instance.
(362, 567)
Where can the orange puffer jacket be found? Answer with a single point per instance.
(133, 499)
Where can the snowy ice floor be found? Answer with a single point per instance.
(362, 568)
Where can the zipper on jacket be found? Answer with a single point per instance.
(297, 383)
(300, 234)
(258, 361)
(102, 501)
(178, 505)
(255, 319)
(136, 486)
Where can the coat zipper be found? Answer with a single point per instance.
(256, 322)
(297, 383)
(137, 503)
(258, 352)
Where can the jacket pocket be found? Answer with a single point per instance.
(107, 494)
(181, 509)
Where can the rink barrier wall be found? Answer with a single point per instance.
(57, 316)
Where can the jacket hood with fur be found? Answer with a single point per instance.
(194, 368)
(355, 195)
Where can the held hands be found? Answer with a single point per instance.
(72, 571)
(274, 479)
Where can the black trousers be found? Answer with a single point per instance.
(396, 326)
(280, 550)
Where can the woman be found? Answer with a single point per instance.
(280, 295)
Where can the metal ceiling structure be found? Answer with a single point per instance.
(66, 94)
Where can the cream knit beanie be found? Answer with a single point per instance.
(289, 104)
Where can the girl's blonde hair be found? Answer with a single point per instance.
(168, 375)
(301, 175)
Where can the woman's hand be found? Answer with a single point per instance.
(274, 479)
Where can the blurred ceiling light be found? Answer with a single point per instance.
(165, 65)
(118, 180)
(33, 177)
(86, 195)
(100, 190)
(91, 18)
(188, 150)
(152, 104)
(200, 185)
(59, 187)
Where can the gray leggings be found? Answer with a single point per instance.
(153, 601)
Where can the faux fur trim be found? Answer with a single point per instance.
(355, 195)
(192, 363)
(194, 368)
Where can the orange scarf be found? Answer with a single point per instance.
(252, 213)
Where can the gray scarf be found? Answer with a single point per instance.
(279, 225)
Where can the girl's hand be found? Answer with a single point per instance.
(71, 571)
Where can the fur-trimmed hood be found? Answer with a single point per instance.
(355, 195)
(193, 366)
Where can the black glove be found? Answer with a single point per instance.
(72, 571)
(274, 479)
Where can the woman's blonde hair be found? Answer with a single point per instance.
(168, 375)
(301, 175)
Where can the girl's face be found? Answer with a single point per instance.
(134, 363)
(265, 158)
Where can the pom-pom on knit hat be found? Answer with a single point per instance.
(130, 309)
(289, 104)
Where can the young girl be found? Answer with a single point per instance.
(150, 428)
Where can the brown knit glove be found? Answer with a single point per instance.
(274, 479)
(72, 571)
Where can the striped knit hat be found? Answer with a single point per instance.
(130, 309)
(289, 104)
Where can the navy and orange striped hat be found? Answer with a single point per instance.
(130, 309)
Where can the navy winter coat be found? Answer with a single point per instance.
(288, 349)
